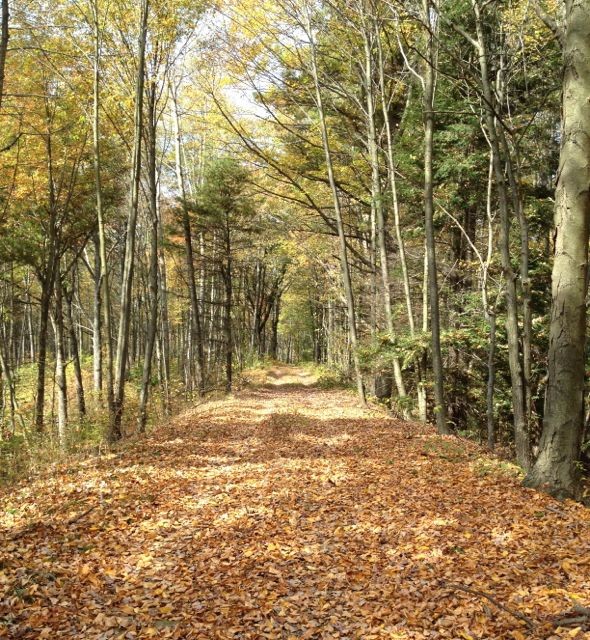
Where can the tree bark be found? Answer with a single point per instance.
(129, 258)
(196, 332)
(377, 200)
(521, 435)
(152, 320)
(60, 364)
(428, 102)
(345, 267)
(97, 320)
(557, 467)
(4, 36)
(227, 306)
(75, 350)
(47, 278)
(104, 288)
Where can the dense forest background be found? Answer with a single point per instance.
(188, 189)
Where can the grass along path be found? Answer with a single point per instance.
(288, 512)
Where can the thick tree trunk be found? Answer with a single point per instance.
(557, 466)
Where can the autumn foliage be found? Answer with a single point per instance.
(288, 512)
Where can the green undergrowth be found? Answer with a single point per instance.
(327, 377)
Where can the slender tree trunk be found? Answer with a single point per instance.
(491, 381)
(347, 281)
(197, 334)
(274, 334)
(557, 467)
(165, 330)
(97, 321)
(104, 289)
(490, 315)
(60, 364)
(47, 278)
(521, 435)
(525, 283)
(75, 349)
(227, 277)
(152, 321)
(7, 373)
(377, 198)
(393, 188)
(4, 36)
(428, 100)
(151, 329)
(128, 262)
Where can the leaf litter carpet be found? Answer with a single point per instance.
(288, 512)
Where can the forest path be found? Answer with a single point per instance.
(286, 511)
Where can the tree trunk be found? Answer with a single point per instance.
(428, 101)
(75, 349)
(377, 201)
(47, 279)
(274, 334)
(128, 262)
(104, 289)
(4, 35)
(97, 320)
(227, 277)
(60, 364)
(345, 267)
(521, 435)
(152, 296)
(557, 467)
(196, 333)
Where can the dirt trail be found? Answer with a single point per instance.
(288, 512)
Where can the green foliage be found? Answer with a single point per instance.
(223, 196)
(328, 377)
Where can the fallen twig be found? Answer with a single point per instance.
(571, 619)
(570, 622)
(82, 515)
(516, 614)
